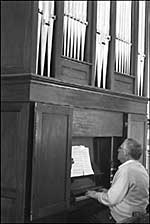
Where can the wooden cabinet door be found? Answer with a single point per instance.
(14, 136)
(51, 159)
(137, 131)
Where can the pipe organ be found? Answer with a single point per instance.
(123, 37)
(74, 77)
(75, 14)
(46, 20)
(102, 42)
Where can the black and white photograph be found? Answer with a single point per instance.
(75, 111)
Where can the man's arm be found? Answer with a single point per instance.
(117, 191)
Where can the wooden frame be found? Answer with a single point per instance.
(66, 67)
(54, 153)
(63, 68)
(14, 148)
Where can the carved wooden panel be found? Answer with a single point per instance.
(51, 160)
(97, 123)
(74, 72)
(123, 83)
(19, 31)
(14, 132)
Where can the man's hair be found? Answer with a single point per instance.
(134, 148)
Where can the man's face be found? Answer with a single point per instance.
(122, 153)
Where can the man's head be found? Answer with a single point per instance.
(129, 149)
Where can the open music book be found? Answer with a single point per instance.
(82, 163)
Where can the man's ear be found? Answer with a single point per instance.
(126, 153)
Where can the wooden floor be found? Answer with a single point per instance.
(85, 214)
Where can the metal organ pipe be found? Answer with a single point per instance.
(141, 55)
(74, 29)
(102, 42)
(123, 37)
(46, 19)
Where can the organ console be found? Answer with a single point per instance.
(83, 208)
(85, 174)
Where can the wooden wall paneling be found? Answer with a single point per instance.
(17, 42)
(15, 91)
(123, 83)
(22, 158)
(8, 166)
(51, 160)
(137, 130)
(8, 210)
(12, 51)
(74, 71)
(134, 40)
(111, 52)
(94, 123)
(85, 98)
(31, 42)
(13, 153)
(41, 89)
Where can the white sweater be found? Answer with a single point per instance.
(129, 191)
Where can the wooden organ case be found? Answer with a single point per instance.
(43, 117)
(102, 144)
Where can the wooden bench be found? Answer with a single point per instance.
(138, 218)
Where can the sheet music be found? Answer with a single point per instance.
(82, 164)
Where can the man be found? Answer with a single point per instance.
(129, 191)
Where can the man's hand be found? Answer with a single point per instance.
(103, 190)
(91, 194)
